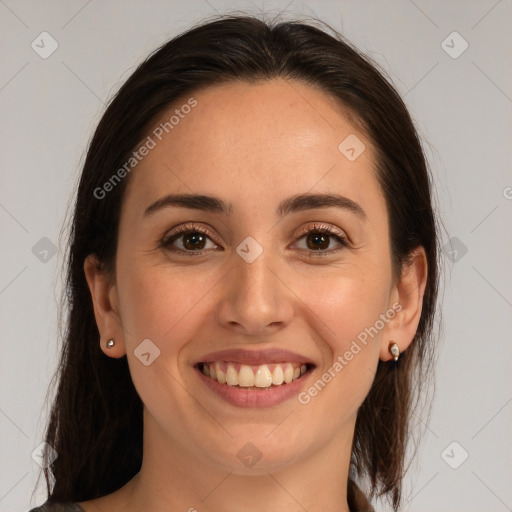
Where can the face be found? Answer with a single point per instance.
(263, 285)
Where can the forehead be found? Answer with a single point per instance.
(270, 138)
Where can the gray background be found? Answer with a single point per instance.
(463, 110)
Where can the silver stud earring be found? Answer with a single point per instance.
(110, 343)
(394, 350)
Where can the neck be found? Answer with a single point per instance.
(172, 478)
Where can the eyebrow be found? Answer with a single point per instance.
(296, 203)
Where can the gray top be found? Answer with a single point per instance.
(357, 502)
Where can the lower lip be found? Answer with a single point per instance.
(263, 397)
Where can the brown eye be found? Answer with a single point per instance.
(186, 240)
(194, 241)
(317, 241)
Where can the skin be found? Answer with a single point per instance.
(252, 145)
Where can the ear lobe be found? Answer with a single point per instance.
(408, 293)
(104, 298)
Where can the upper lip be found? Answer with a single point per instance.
(254, 357)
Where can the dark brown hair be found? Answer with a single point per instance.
(96, 417)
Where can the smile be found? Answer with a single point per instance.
(262, 376)
(264, 385)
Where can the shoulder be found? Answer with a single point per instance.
(58, 507)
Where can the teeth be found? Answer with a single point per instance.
(263, 377)
(288, 374)
(245, 376)
(232, 376)
(221, 376)
(277, 375)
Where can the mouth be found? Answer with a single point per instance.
(260, 377)
(248, 379)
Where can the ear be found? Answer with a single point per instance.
(407, 298)
(104, 298)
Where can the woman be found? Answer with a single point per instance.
(252, 282)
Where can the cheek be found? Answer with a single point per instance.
(164, 306)
(344, 310)
(161, 304)
(347, 303)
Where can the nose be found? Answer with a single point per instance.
(254, 299)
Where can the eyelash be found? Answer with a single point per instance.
(316, 229)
